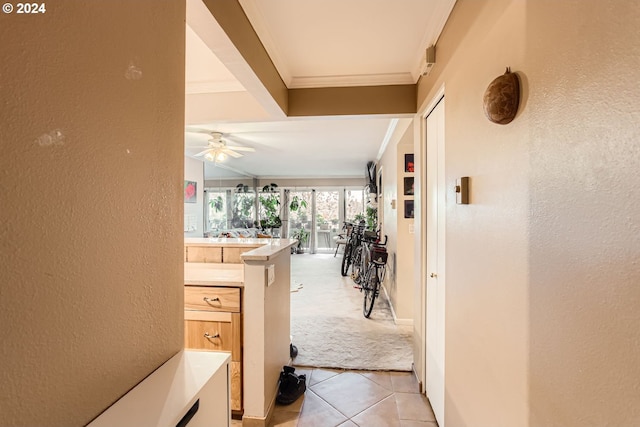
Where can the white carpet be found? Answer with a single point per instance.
(328, 326)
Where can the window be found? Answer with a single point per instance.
(327, 218)
(301, 217)
(354, 204)
(243, 210)
(216, 210)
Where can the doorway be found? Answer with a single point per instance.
(435, 261)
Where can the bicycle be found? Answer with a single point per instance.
(354, 233)
(361, 254)
(374, 263)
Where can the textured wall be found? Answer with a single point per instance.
(91, 136)
(542, 272)
(585, 212)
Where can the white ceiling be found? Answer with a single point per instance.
(312, 43)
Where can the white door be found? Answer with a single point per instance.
(435, 198)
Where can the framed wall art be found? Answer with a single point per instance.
(408, 186)
(408, 163)
(190, 193)
(408, 208)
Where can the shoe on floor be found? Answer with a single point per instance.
(291, 387)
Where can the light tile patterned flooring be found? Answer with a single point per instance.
(356, 398)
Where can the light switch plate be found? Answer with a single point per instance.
(462, 190)
(271, 274)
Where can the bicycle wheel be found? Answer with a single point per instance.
(370, 290)
(356, 261)
(346, 259)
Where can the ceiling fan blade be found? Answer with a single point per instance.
(238, 148)
(202, 153)
(198, 130)
(231, 153)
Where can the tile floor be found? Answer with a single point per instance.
(356, 398)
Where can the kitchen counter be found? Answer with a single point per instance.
(269, 248)
(251, 321)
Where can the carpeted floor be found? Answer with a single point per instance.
(328, 326)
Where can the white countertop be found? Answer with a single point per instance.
(268, 248)
(213, 274)
(163, 397)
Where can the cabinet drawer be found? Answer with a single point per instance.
(206, 330)
(207, 335)
(203, 254)
(210, 298)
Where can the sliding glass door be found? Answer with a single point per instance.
(327, 219)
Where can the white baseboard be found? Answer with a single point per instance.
(396, 320)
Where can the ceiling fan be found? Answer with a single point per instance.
(217, 149)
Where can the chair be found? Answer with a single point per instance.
(341, 239)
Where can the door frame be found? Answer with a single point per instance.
(421, 271)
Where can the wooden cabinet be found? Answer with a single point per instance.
(216, 254)
(202, 254)
(213, 321)
(232, 255)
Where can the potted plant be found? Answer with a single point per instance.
(297, 203)
(242, 205)
(302, 236)
(271, 205)
(372, 218)
(216, 203)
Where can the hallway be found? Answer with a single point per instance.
(328, 326)
(369, 382)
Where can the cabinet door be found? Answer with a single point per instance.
(235, 369)
(204, 254)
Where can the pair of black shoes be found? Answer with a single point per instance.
(291, 387)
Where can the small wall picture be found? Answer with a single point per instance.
(408, 186)
(190, 193)
(408, 162)
(408, 208)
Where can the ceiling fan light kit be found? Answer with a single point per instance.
(217, 149)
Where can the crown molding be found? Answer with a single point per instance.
(352, 80)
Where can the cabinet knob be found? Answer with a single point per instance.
(208, 336)
(434, 275)
(210, 300)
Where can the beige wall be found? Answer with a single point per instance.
(91, 216)
(399, 280)
(541, 313)
(405, 261)
(584, 217)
